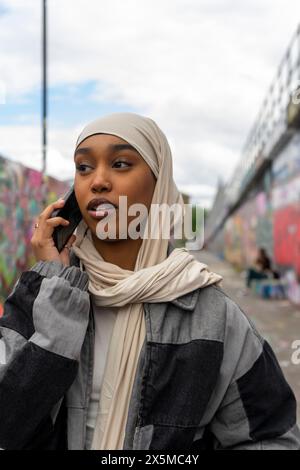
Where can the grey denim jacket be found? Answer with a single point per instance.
(206, 379)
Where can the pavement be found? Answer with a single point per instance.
(278, 321)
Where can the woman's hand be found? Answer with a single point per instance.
(42, 242)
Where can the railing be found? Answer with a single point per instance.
(271, 123)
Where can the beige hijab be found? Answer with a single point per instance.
(156, 276)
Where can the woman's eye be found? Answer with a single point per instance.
(82, 168)
(122, 163)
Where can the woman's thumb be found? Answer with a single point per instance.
(72, 240)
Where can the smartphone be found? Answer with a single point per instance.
(71, 212)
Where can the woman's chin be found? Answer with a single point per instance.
(103, 240)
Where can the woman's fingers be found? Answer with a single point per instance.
(65, 253)
(55, 221)
(71, 240)
(46, 227)
(48, 223)
(49, 209)
(42, 239)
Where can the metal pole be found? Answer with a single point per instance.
(298, 44)
(44, 87)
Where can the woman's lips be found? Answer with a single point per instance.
(102, 210)
(97, 214)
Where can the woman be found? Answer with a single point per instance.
(127, 343)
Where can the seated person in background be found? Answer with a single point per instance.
(262, 268)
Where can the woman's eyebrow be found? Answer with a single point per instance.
(112, 148)
(118, 147)
(83, 150)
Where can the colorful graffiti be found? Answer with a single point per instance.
(248, 228)
(287, 237)
(21, 200)
(271, 219)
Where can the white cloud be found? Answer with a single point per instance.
(200, 69)
(23, 143)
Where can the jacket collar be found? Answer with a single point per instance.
(187, 301)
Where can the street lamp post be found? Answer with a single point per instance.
(44, 105)
(44, 96)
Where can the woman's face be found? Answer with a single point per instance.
(108, 167)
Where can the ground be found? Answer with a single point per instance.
(278, 321)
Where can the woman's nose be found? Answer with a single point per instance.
(101, 181)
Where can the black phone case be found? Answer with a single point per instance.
(70, 212)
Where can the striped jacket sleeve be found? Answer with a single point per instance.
(257, 409)
(41, 334)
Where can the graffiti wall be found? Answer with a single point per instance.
(286, 204)
(287, 225)
(21, 200)
(271, 219)
(248, 228)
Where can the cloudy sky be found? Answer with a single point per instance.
(199, 68)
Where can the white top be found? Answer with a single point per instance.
(104, 322)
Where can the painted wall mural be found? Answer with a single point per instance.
(21, 200)
(286, 203)
(271, 219)
(249, 227)
(287, 237)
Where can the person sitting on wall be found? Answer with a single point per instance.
(262, 268)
